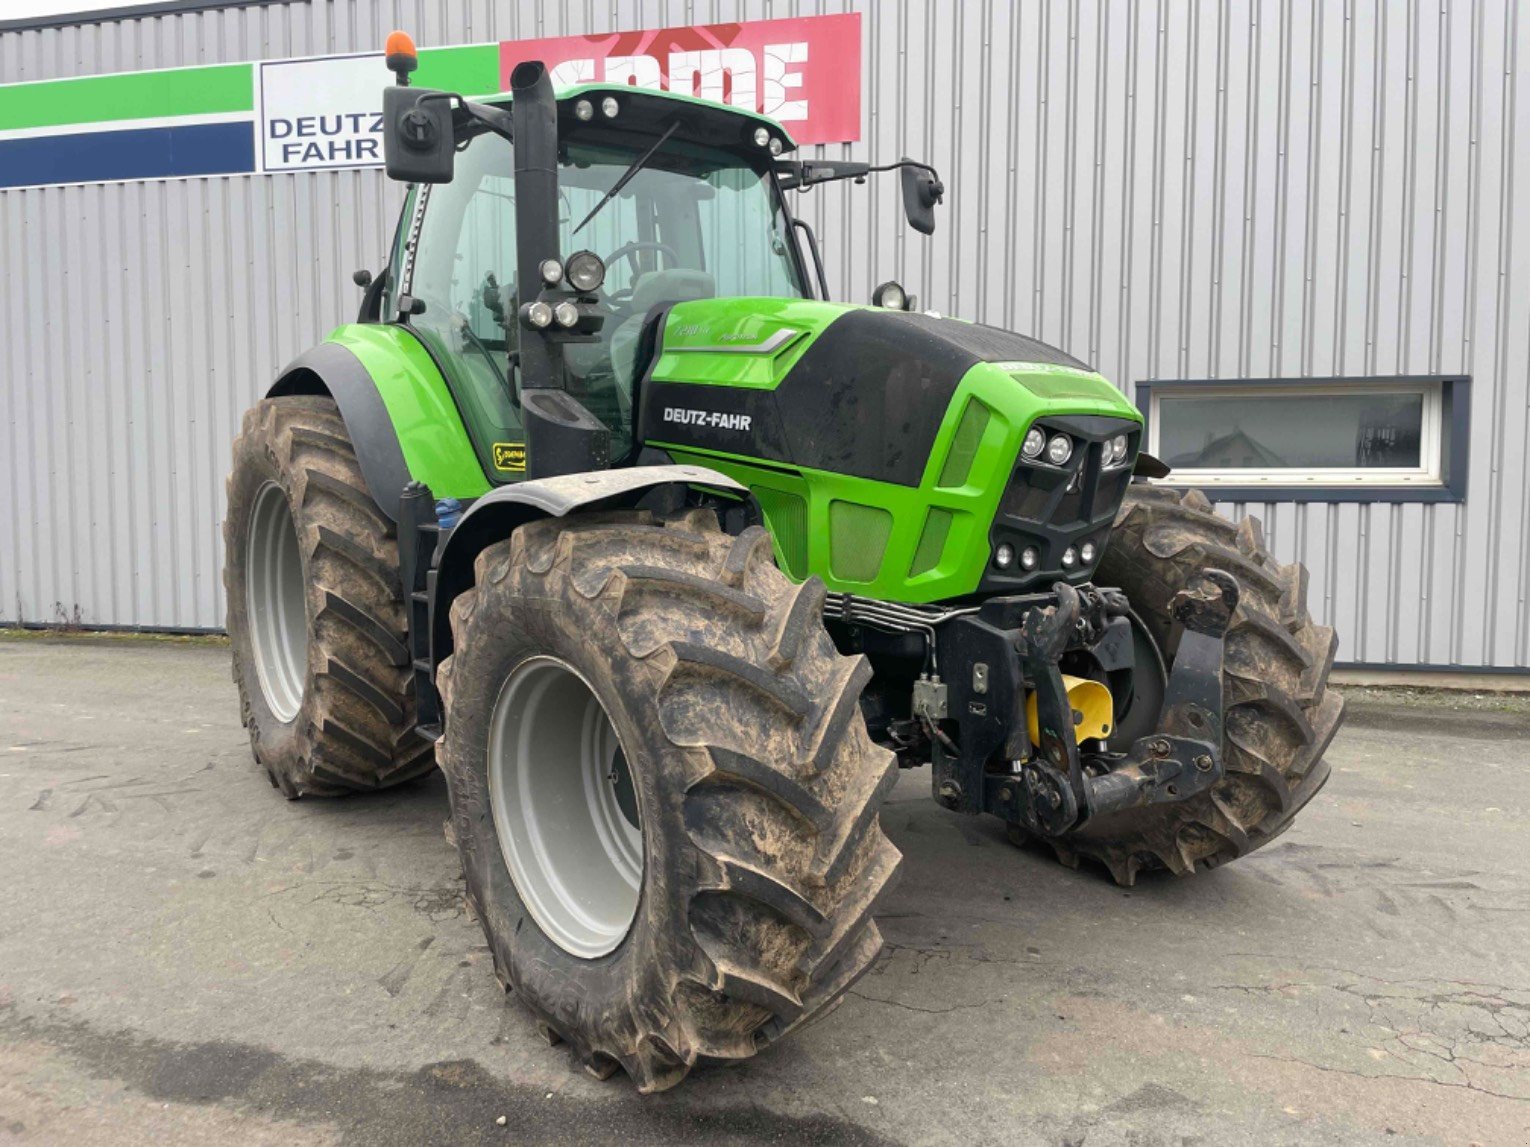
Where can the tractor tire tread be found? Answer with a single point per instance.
(776, 781)
(356, 730)
(1279, 714)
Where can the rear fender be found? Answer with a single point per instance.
(333, 370)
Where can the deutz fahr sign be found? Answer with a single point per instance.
(324, 112)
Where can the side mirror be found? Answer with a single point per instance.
(418, 142)
(921, 191)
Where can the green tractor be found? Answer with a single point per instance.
(670, 564)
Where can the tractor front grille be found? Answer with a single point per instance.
(1054, 509)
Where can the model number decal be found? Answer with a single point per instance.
(715, 419)
(510, 456)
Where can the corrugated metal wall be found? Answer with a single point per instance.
(1171, 189)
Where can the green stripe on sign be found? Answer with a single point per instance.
(127, 95)
(472, 69)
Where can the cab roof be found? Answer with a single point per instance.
(705, 118)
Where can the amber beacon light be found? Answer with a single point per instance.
(401, 56)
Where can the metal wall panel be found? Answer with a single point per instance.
(1258, 188)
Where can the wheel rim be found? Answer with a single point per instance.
(564, 807)
(277, 605)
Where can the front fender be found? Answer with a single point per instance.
(500, 512)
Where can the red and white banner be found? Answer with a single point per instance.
(805, 72)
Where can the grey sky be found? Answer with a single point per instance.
(22, 9)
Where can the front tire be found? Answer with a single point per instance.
(754, 789)
(315, 610)
(1279, 715)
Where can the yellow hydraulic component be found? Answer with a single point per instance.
(1092, 708)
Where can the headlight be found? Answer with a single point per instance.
(585, 110)
(761, 136)
(775, 145)
(891, 296)
(1035, 442)
(1060, 449)
(1069, 558)
(1004, 556)
(537, 314)
(609, 107)
(585, 271)
(551, 271)
(1029, 558)
(566, 313)
(1086, 551)
(1117, 447)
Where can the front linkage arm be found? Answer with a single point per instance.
(1017, 644)
(1053, 792)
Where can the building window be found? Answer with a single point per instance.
(1332, 439)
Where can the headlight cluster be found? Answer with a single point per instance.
(585, 110)
(584, 272)
(1057, 463)
(1058, 449)
(764, 138)
(1030, 557)
(539, 314)
(1115, 451)
(1004, 557)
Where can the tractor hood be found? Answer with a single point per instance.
(851, 390)
(876, 418)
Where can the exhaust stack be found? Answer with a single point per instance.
(562, 437)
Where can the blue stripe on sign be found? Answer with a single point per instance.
(142, 153)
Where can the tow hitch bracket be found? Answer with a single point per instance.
(1053, 792)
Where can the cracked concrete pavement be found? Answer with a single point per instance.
(185, 957)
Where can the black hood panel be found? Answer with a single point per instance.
(866, 399)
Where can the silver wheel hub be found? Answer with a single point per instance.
(564, 807)
(277, 603)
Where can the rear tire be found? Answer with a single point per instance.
(315, 610)
(1279, 715)
(756, 788)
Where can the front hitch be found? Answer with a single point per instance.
(1053, 793)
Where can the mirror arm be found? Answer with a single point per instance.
(497, 120)
(800, 174)
(812, 243)
(466, 111)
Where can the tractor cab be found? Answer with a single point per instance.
(659, 199)
(546, 233)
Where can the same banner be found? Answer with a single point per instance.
(804, 72)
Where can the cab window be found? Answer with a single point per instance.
(694, 222)
(464, 273)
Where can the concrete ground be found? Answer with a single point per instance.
(185, 957)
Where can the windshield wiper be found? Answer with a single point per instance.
(637, 166)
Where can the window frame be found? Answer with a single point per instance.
(1444, 438)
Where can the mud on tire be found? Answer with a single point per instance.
(757, 784)
(1279, 714)
(353, 730)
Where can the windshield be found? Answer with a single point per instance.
(694, 222)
